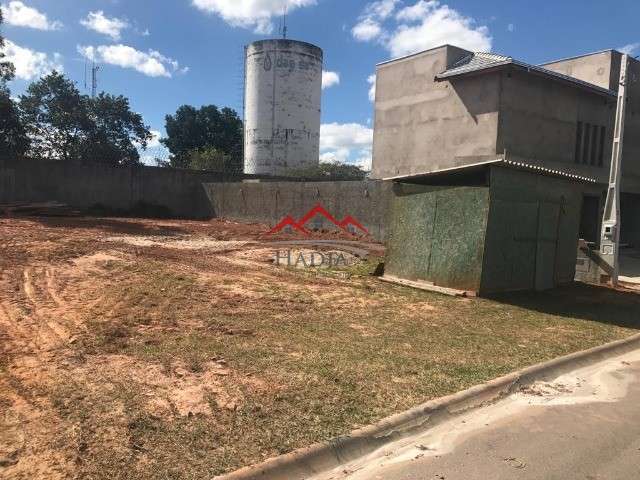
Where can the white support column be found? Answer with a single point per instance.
(610, 239)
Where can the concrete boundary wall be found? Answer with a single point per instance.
(190, 193)
(122, 189)
(270, 202)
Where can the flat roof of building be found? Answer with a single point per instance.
(404, 57)
(575, 57)
(480, 62)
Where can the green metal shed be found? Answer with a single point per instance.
(486, 228)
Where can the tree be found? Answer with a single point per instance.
(7, 69)
(329, 171)
(208, 158)
(56, 118)
(65, 125)
(13, 139)
(115, 131)
(192, 129)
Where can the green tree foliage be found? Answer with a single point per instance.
(115, 131)
(7, 69)
(191, 129)
(13, 139)
(56, 117)
(208, 158)
(63, 124)
(329, 171)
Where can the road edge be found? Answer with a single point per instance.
(324, 456)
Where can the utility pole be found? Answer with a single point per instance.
(610, 239)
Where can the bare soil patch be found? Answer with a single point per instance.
(140, 349)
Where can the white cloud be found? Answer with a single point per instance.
(29, 63)
(329, 79)
(18, 14)
(151, 63)
(437, 26)
(366, 30)
(424, 24)
(371, 80)
(155, 139)
(99, 22)
(340, 155)
(255, 14)
(155, 150)
(369, 24)
(630, 49)
(414, 13)
(364, 160)
(346, 143)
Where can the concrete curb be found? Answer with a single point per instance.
(324, 456)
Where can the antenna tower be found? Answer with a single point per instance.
(284, 23)
(94, 79)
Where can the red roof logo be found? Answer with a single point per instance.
(344, 224)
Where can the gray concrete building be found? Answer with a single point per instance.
(447, 108)
(456, 130)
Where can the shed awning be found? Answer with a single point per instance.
(468, 168)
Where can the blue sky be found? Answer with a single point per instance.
(165, 53)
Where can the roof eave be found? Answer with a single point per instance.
(488, 69)
(531, 69)
(572, 81)
(442, 171)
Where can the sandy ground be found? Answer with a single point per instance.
(53, 275)
(153, 349)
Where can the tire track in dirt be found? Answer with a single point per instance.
(17, 327)
(51, 334)
(66, 402)
(42, 307)
(52, 289)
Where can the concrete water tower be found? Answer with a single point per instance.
(283, 88)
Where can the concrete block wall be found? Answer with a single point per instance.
(270, 202)
(118, 188)
(191, 194)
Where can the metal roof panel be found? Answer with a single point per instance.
(480, 62)
(499, 162)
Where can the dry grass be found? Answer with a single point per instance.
(162, 364)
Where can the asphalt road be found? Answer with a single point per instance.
(584, 425)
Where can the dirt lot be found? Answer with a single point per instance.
(138, 349)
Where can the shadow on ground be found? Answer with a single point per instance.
(112, 225)
(583, 301)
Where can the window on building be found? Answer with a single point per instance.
(586, 143)
(595, 141)
(603, 134)
(578, 154)
(590, 144)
